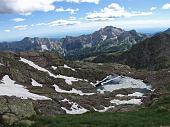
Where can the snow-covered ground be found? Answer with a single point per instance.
(73, 91)
(67, 79)
(131, 101)
(75, 108)
(135, 94)
(35, 83)
(1, 64)
(105, 109)
(54, 68)
(65, 66)
(8, 87)
(44, 48)
(112, 83)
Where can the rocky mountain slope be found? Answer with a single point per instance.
(153, 53)
(108, 39)
(44, 84)
(32, 44)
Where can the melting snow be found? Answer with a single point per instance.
(32, 64)
(44, 47)
(65, 66)
(67, 79)
(73, 91)
(104, 37)
(1, 64)
(111, 83)
(120, 95)
(136, 94)
(9, 88)
(122, 102)
(54, 68)
(105, 109)
(75, 108)
(34, 83)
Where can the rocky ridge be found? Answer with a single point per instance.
(54, 86)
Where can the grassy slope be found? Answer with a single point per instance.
(155, 116)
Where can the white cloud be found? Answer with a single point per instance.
(26, 6)
(22, 27)
(72, 18)
(70, 10)
(7, 31)
(166, 6)
(62, 22)
(112, 12)
(153, 8)
(18, 19)
(41, 24)
(81, 1)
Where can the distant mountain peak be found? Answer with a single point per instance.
(167, 31)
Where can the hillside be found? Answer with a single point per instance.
(152, 53)
(45, 84)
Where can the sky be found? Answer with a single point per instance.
(59, 18)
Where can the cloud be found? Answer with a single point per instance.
(7, 31)
(166, 6)
(80, 1)
(26, 6)
(18, 19)
(112, 12)
(72, 18)
(153, 8)
(62, 22)
(23, 27)
(70, 10)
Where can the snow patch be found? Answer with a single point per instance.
(67, 79)
(32, 64)
(44, 48)
(104, 37)
(8, 87)
(73, 91)
(35, 83)
(75, 108)
(131, 101)
(1, 64)
(112, 83)
(105, 109)
(54, 68)
(65, 66)
(120, 95)
(136, 94)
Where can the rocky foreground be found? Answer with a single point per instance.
(45, 84)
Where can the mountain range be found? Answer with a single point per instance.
(152, 53)
(105, 40)
(119, 71)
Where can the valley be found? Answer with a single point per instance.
(124, 75)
